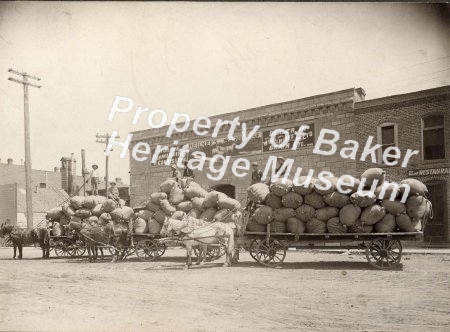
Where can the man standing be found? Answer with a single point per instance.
(176, 174)
(256, 174)
(113, 193)
(280, 162)
(188, 174)
(256, 178)
(95, 179)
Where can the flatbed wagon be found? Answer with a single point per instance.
(382, 250)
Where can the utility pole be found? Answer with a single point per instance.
(83, 167)
(105, 139)
(29, 197)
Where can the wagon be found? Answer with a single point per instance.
(382, 250)
(148, 247)
(67, 246)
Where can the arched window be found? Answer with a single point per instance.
(433, 139)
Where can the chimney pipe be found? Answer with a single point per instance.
(56, 169)
(10, 161)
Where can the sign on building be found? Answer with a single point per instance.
(306, 140)
(227, 147)
(429, 171)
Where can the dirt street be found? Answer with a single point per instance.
(313, 291)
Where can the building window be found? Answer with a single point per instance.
(433, 137)
(387, 137)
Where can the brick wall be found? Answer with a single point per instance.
(331, 111)
(16, 173)
(8, 204)
(406, 111)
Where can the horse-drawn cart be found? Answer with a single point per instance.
(382, 250)
(67, 246)
(148, 247)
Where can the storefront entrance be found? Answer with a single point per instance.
(436, 229)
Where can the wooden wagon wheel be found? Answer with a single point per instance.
(78, 249)
(63, 248)
(383, 253)
(253, 249)
(161, 249)
(215, 252)
(147, 250)
(271, 253)
(111, 250)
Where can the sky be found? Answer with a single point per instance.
(200, 59)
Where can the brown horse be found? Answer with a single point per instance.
(20, 237)
(95, 236)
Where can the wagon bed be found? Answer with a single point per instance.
(383, 250)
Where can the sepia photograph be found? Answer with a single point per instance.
(224, 166)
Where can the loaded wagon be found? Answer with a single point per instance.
(70, 245)
(382, 250)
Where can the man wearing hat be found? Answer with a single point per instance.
(256, 178)
(176, 174)
(280, 162)
(113, 193)
(188, 174)
(256, 174)
(95, 179)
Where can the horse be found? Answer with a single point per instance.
(95, 235)
(20, 237)
(193, 232)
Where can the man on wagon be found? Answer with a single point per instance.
(95, 179)
(113, 193)
(188, 174)
(176, 174)
(256, 178)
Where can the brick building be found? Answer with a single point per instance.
(58, 178)
(418, 121)
(13, 203)
(49, 189)
(333, 110)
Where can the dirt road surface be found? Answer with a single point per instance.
(313, 291)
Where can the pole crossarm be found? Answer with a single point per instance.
(24, 83)
(24, 74)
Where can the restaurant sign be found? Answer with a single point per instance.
(429, 171)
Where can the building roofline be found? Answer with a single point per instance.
(159, 131)
(402, 98)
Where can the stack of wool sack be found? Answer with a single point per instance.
(310, 209)
(93, 209)
(177, 203)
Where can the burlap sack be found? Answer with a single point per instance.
(335, 226)
(305, 212)
(349, 214)
(316, 226)
(55, 213)
(292, 200)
